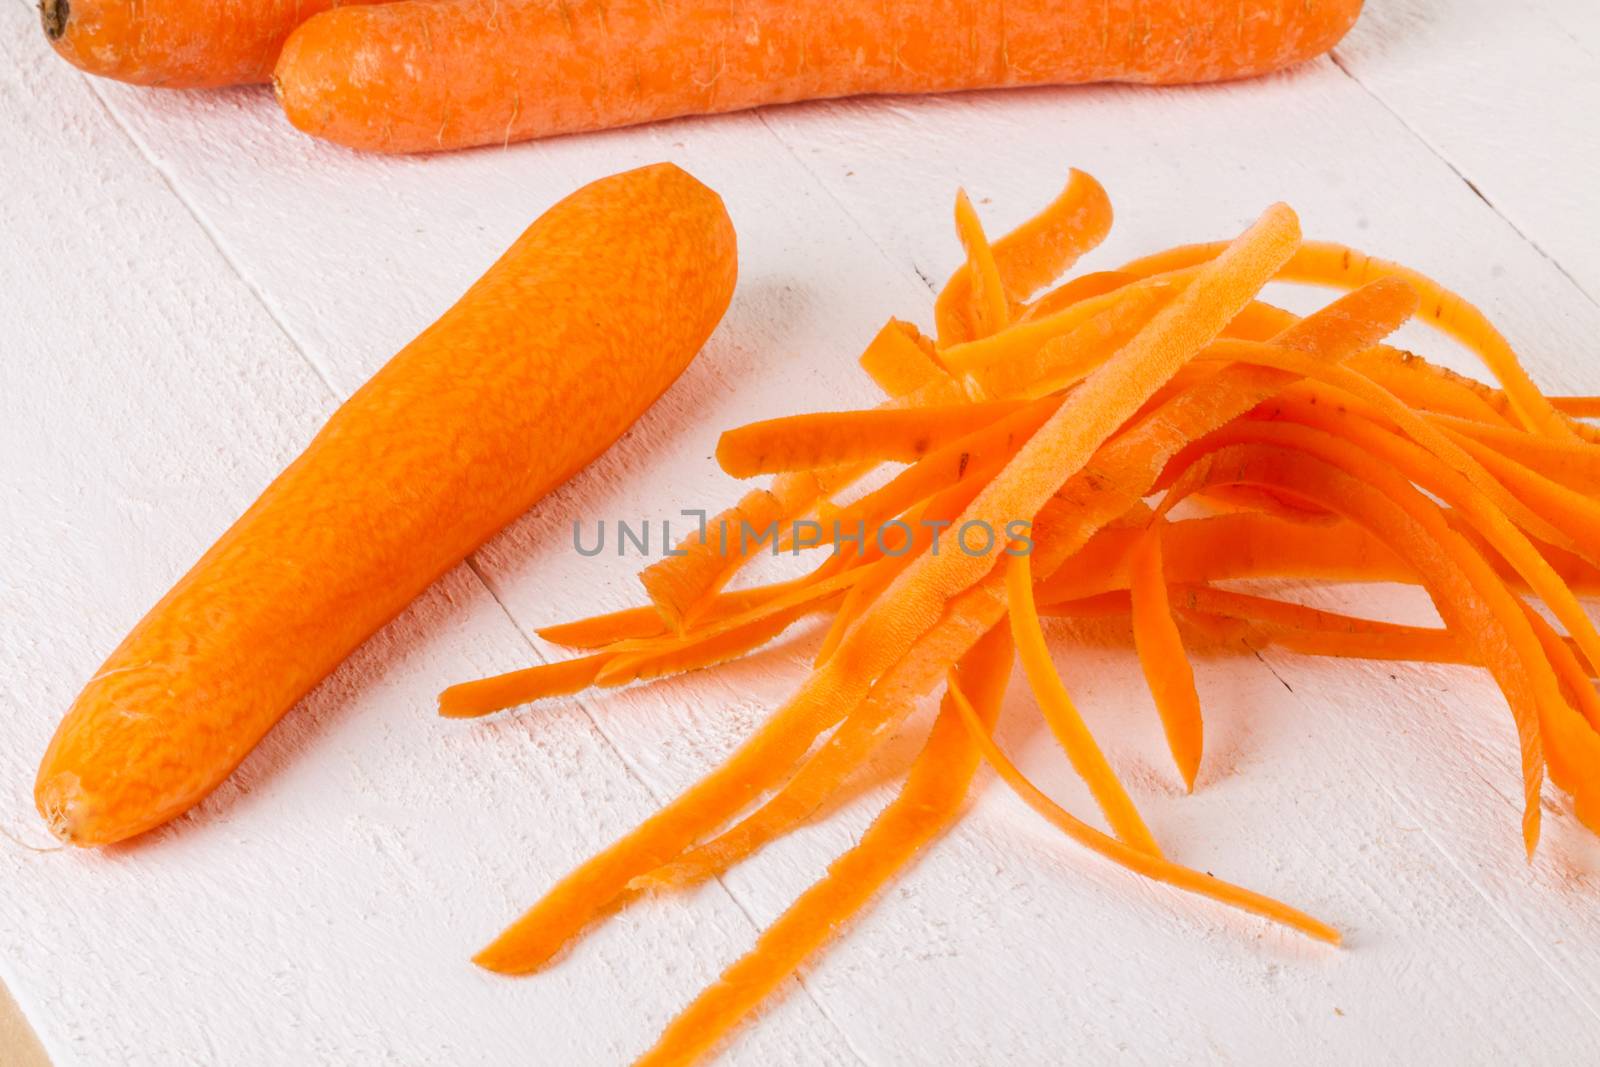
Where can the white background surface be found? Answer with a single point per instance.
(187, 288)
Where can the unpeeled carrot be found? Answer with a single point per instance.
(176, 44)
(508, 394)
(421, 76)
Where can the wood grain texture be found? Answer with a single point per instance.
(324, 904)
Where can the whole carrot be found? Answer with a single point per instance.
(544, 362)
(422, 75)
(178, 44)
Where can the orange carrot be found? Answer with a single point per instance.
(176, 44)
(420, 76)
(446, 444)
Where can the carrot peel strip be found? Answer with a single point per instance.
(1062, 715)
(1161, 655)
(1124, 855)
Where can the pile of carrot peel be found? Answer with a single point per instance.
(1125, 443)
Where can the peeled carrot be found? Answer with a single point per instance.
(176, 44)
(421, 76)
(513, 390)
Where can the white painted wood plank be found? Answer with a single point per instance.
(1509, 95)
(320, 907)
(1004, 944)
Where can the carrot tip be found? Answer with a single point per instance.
(464, 701)
(53, 14)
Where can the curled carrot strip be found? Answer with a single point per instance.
(1032, 255)
(486, 695)
(1161, 655)
(988, 309)
(1575, 465)
(700, 564)
(1327, 263)
(831, 438)
(900, 360)
(1153, 867)
(925, 806)
(1055, 703)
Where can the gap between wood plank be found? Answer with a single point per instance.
(1338, 62)
(471, 561)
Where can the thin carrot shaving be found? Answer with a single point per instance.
(645, 621)
(863, 732)
(1123, 855)
(709, 650)
(1065, 429)
(825, 439)
(1162, 657)
(926, 805)
(1062, 716)
(900, 360)
(1477, 507)
(1575, 465)
(988, 309)
(486, 695)
(1067, 359)
(1327, 263)
(1575, 680)
(1032, 255)
(907, 543)
(1578, 407)
(699, 564)
(1083, 287)
(976, 356)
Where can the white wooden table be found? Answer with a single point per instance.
(187, 288)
